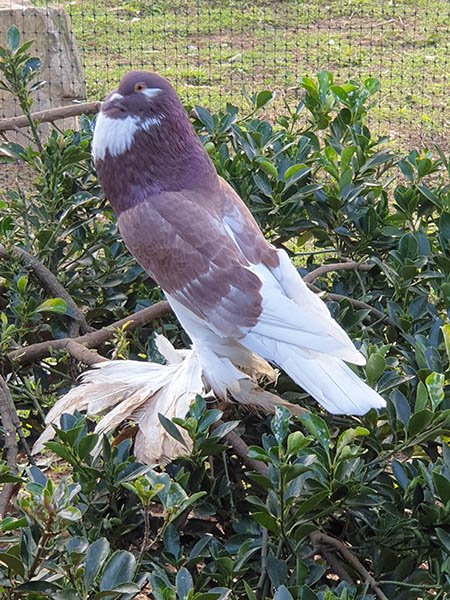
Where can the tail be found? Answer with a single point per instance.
(329, 381)
(124, 390)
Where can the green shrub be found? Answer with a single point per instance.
(208, 526)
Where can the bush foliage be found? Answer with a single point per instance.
(91, 522)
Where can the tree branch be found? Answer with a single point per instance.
(10, 446)
(83, 354)
(51, 114)
(30, 354)
(327, 268)
(322, 539)
(48, 280)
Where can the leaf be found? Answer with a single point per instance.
(248, 590)
(86, 444)
(307, 505)
(280, 423)
(267, 166)
(442, 485)
(400, 474)
(119, 569)
(69, 514)
(95, 557)
(444, 225)
(435, 386)
(31, 65)
(407, 170)
(297, 441)
(171, 429)
(402, 407)
(277, 570)
(446, 334)
(375, 367)
(13, 37)
(348, 436)
(372, 85)
(421, 397)
(12, 150)
(205, 117)
(263, 98)
(223, 429)
(172, 541)
(22, 283)
(419, 421)
(267, 521)
(12, 562)
(40, 587)
(282, 593)
(318, 428)
(55, 305)
(183, 583)
(444, 538)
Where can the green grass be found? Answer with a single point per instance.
(211, 50)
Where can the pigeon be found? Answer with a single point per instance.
(241, 301)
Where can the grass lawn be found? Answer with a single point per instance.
(211, 50)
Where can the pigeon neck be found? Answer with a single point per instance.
(164, 158)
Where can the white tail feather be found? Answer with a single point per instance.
(329, 381)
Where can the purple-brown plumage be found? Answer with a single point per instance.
(235, 294)
(165, 157)
(166, 194)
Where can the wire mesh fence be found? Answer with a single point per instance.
(217, 52)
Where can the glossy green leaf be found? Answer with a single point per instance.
(54, 305)
(171, 429)
(119, 569)
(317, 428)
(183, 583)
(13, 37)
(95, 557)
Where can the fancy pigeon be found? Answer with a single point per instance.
(240, 300)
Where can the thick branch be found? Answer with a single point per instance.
(321, 539)
(52, 114)
(327, 268)
(48, 280)
(36, 352)
(336, 565)
(241, 449)
(10, 445)
(83, 354)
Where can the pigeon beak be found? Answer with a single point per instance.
(113, 104)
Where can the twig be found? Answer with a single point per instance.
(52, 114)
(48, 280)
(327, 268)
(356, 303)
(241, 449)
(322, 539)
(10, 444)
(30, 354)
(265, 539)
(83, 354)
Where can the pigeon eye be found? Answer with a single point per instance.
(139, 87)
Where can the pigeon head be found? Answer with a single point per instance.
(144, 142)
(142, 96)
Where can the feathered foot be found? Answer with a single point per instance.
(123, 390)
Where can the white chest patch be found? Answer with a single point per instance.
(114, 135)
